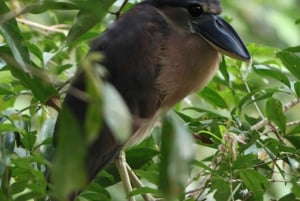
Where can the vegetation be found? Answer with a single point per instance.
(238, 139)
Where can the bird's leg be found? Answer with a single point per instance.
(127, 176)
(121, 165)
(137, 183)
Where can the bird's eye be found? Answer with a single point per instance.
(195, 10)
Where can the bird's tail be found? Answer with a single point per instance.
(98, 155)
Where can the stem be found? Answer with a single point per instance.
(42, 27)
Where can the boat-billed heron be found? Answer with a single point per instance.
(156, 54)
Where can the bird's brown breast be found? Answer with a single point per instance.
(188, 63)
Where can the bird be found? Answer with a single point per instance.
(155, 54)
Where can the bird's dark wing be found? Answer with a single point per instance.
(131, 47)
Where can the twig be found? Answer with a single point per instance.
(269, 180)
(15, 5)
(252, 97)
(265, 121)
(118, 13)
(290, 124)
(195, 194)
(291, 104)
(10, 15)
(259, 125)
(42, 27)
(275, 131)
(240, 181)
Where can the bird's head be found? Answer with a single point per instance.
(202, 17)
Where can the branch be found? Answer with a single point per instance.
(249, 91)
(43, 27)
(118, 13)
(290, 124)
(265, 121)
(269, 180)
(12, 14)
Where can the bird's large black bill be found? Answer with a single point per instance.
(222, 36)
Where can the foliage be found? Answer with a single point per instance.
(245, 123)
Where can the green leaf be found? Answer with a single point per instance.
(89, 16)
(295, 49)
(94, 92)
(18, 187)
(177, 154)
(289, 197)
(276, 147)
(291, 61)
(297, 88)
(255, 96)
(222, 188)
(20, 63)
(45, 135)
(14, 38)
(224, 71)
(202, 165)
(246, 161)
(68, 173)
(274, 112)
(275, 74)
(116, 113)
(28, 140)
(108, 177)
(151, 176)
(7, 145)
(211, 114)
(213, 97)
(96, 192)
(184, 117)
(27, 196)
(137, 157)
(144, 190)
(255, 182)
(294, 139)
(47, 5)
(296, 189)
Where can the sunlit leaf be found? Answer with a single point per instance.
(116, 113)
